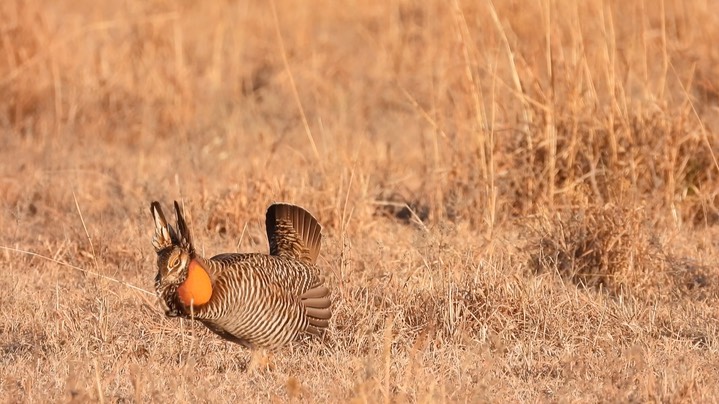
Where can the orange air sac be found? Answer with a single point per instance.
(197, 288)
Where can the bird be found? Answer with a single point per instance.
(253, 299)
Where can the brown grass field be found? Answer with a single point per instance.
(520, 200)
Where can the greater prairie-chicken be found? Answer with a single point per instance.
(257, 300)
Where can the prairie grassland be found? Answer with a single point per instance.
(519, 199)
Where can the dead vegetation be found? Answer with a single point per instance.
(615, 249)
(519, 201)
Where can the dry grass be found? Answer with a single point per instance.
(520, 200)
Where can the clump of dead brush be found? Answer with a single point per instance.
(605, 247)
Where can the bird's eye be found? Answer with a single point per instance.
(174, 262)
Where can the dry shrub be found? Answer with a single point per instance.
(612, 248)
(594, 247)
(662, 157)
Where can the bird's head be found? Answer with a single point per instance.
(175, 254)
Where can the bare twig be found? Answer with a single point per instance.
(89, 239)
(83, 270)
(295, 93)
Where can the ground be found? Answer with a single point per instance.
(519, 199)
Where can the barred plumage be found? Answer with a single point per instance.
(256, 300)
